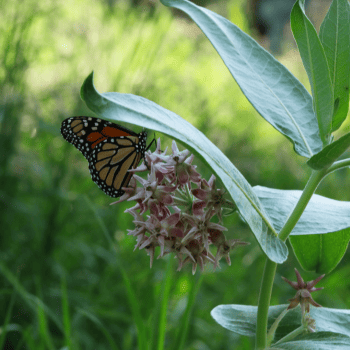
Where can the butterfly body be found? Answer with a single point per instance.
(110, 149)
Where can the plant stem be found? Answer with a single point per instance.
(292, 335)
(273, 328)
(264, 303)
(270, 266)
(338, 165)
(309, 190)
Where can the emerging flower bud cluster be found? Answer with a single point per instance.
(180, 216)
(304, 290)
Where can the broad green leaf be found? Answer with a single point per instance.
(317, 341)
(320, 253)
(332, 320)
(322, 215)
(330, 153)
(138, 110)
(315, 248)
(335, 38)
(273, 91)
(241, 319)
(315, 63)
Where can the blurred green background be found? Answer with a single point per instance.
(63, 285)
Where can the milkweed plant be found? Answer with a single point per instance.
(181, 212)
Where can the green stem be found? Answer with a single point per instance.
(264, 302)
(273, 328)
(270, 266)
(309, 190)
(338, 165)
(292, 335)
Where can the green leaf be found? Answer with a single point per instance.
(317, 341)
(314, 246)
(138, 110)
(241, 319)
(315, 63)
(320, 253)
(330, 153)
(321, 215)
(335, 38)
(273, 91)
(333, 320)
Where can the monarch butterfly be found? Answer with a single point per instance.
(110, 149)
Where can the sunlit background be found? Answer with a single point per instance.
(62, 284)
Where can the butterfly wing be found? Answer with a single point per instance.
(110, 149)
(109, 164)
(85, 133)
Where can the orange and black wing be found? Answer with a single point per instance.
(110, 149)
(109, 163)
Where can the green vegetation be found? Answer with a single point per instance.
(69, 278)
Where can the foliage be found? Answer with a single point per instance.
(287, 106)
(62, 285)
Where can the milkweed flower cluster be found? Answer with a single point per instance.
(180, 215)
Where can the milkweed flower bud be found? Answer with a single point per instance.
(304, 290)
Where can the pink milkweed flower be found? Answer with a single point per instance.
(201, 227)
(180, 219)
(212, 197)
